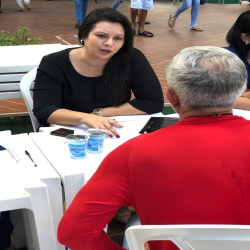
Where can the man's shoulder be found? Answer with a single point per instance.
(240, 119)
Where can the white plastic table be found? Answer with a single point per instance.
(24, 58)
(243, 113)
(27, 172)
(75, 173)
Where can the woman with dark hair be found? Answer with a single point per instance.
(87, 85)
(238, 38)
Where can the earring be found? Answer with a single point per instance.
(82, 42)
(246, 43)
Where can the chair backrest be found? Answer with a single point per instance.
(26, 86)
(192, 237)
(10, 85)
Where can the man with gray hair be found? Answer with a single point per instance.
(205, 81)
(193, 172)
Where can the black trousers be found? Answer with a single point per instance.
(6, 228)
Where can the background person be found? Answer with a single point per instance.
(116, 4)
(194, 14)
(81, 7)
(23, 3)
(143, 6)
(238, 38)
(193, 172)
(98, 77)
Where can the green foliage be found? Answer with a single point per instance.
(22, 37)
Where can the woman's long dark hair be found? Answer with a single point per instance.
(116, 74)
(242, 25)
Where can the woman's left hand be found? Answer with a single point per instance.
(100, 122)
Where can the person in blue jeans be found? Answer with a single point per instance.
(116, 4)
(134, 220)
(194, 14)
(81, 7)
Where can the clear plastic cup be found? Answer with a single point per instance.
(96, 140)
(78, 145)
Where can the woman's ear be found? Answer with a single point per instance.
(82, 41)
(245, 38)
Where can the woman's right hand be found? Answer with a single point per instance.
(100, 122)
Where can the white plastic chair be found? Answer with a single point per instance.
(36, 220)
(27, 84)
(192, 237)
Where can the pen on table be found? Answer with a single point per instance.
(148, 127)
(28, 154)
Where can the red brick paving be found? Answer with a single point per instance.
(49, 19)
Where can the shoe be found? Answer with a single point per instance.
(170, 23)
(27, 6)
(77, 25)
(1, 11)
(197, 29)
(122, 217)
(20, 9)
(146, 22)
(146, 33)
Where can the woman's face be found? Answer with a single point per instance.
(104, 40)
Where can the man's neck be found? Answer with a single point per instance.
(205, 112)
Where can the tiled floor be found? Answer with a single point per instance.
(53, 21)
(12, 106)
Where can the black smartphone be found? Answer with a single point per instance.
(63, 132)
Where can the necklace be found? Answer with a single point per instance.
(219, 114)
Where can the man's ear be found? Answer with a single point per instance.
(173, 98)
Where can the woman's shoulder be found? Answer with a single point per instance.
(232, 49)
(59, 59)
(137, 52)
(138, 56)
(59, 55)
